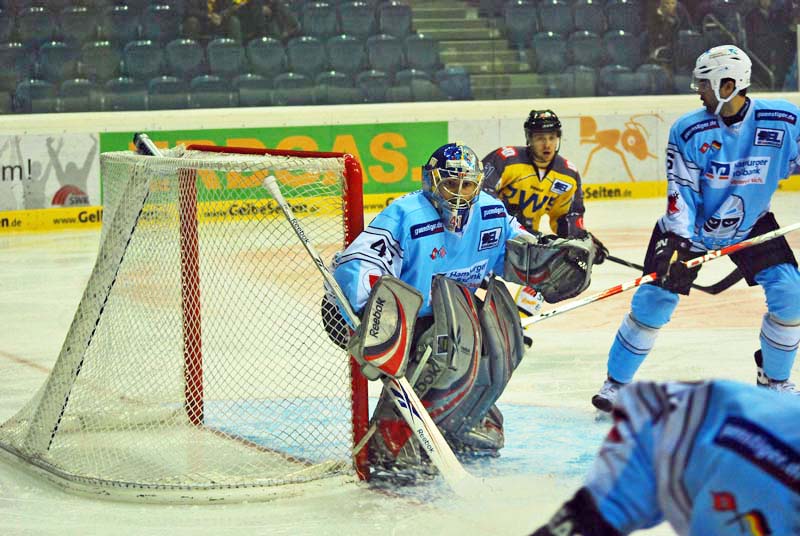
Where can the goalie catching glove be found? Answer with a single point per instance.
(559, 268)
(382, 341)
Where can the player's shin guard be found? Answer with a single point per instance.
(632, 343)
(779, 342)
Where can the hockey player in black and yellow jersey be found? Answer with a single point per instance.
(534, 181)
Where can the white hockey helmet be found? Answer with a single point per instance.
(724, 61)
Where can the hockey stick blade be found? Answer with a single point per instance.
(723, 284)
(402, 394)
(691, 263)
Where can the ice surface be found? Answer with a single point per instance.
(551, 429)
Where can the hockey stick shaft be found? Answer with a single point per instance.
(697, 261)
(401, 392)
(723, 284)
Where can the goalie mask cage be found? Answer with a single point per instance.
(197, 367)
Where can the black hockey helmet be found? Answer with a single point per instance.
(542, 121)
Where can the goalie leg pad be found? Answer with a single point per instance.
(752, 260)
(382, 341)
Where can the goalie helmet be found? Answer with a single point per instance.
(451, 180)
(718, 63)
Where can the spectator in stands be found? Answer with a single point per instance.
(280, 21)
(208, 19)
(760, 25)
(663, 24)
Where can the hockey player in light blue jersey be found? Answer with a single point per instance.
(446, 241)
(724, 163)
(713, 458)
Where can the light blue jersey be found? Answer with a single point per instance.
(408, 240)
(721, 178)
(719, 458)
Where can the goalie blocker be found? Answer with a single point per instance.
(459, 362)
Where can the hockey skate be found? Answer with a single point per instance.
(605, 398)
(762, 380)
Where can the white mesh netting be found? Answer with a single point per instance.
(197, 360)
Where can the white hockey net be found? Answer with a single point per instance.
(197, 366)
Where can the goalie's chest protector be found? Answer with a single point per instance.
(467, 258)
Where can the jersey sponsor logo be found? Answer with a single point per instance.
(471, 275)
(738, 172)
(490, 213)
(490, 238)
(560, 187)
(507, 152)
(768, 137)
(762, 449)
(776, 115)
(425, 229)
(691, 130)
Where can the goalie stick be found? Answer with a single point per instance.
(723, 284)
(402, 394)
(639, 281)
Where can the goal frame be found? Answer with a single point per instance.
(353, 202)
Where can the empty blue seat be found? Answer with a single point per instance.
(101, 60)
(584, 80)
(225, 58)
(346, 54)
(407, 76)
(357, 19)
(385, 53)
(555, 16)
(6, 25)
(210, 91)
(550, 50)
(17, 62)
(334, 87)
(688, 45)
(521, 22)
(35, 96)
(124, 93)
(659, 81)
(78, 24)
(623, 48)
(454, 83)
(394, 18)
(143, 59)
(625, 15)
(77, 95)
(253, 89)
(373, 85)
(136, 6)
(319, 19)
(35, 25)
(306, 56)
(160, 23)
(589, 15)
(184, 58)
(682, 83)
(292, 89)
(57, 61)
(120, 25)
(586, 48)
(267, 56)
(422, 52)
(167, 93)
(609, 80)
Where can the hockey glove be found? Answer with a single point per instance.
(668, 253)
(578, 516)
(600, 251)
(528, 301)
